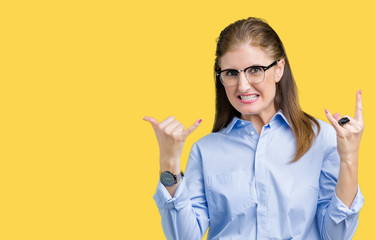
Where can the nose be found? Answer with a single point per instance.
(243, 83)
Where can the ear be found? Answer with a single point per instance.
(279, 70)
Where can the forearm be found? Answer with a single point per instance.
(180, 224)
(178, 214)
(347, 182)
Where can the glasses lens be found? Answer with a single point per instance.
(229, 78)
(255, 74)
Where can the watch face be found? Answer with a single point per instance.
(167, 178)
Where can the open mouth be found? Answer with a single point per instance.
(248, 97)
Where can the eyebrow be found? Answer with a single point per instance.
(254, 65)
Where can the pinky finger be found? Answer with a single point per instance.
(191, 129)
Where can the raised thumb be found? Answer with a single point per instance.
(153, 121)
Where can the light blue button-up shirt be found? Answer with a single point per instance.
(242, 186)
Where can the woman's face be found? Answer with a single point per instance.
(252, 99)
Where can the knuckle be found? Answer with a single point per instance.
(159, 128)
(168, 131)
(358, 131)
(175, 135)
(180, 139)
(162, 126)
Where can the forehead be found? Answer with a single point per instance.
(243, 56)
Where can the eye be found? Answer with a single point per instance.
(254, 70)
(231, 73)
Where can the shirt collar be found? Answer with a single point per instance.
(281, 117)
(276, 120)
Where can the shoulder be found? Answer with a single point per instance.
(210, 139)
(205, 145)
(215, 142)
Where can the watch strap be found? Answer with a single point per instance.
(179, 176)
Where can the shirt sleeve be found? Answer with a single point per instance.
(335, 219)
(185, 215)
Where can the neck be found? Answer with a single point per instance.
(259, 120)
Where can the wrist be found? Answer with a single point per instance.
(349, 159)
(169, 179)
(349, 165)
(172, 169)
(171, 166)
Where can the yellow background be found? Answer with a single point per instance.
(77, 77)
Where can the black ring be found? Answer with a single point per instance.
(343, 121)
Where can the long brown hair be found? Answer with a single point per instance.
(258, 33)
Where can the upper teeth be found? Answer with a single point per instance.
(249, 97)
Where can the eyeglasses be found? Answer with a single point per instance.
(253, 74)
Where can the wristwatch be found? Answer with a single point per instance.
(168, 179)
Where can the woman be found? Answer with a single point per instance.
(268, 170)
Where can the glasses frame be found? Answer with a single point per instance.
(265, 68)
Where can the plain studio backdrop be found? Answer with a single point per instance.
(76, 78)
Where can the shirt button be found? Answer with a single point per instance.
(252, 133)
(243, 123)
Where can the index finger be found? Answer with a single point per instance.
(358, 107)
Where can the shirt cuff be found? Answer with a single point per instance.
(164, 200)
(338, 211)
